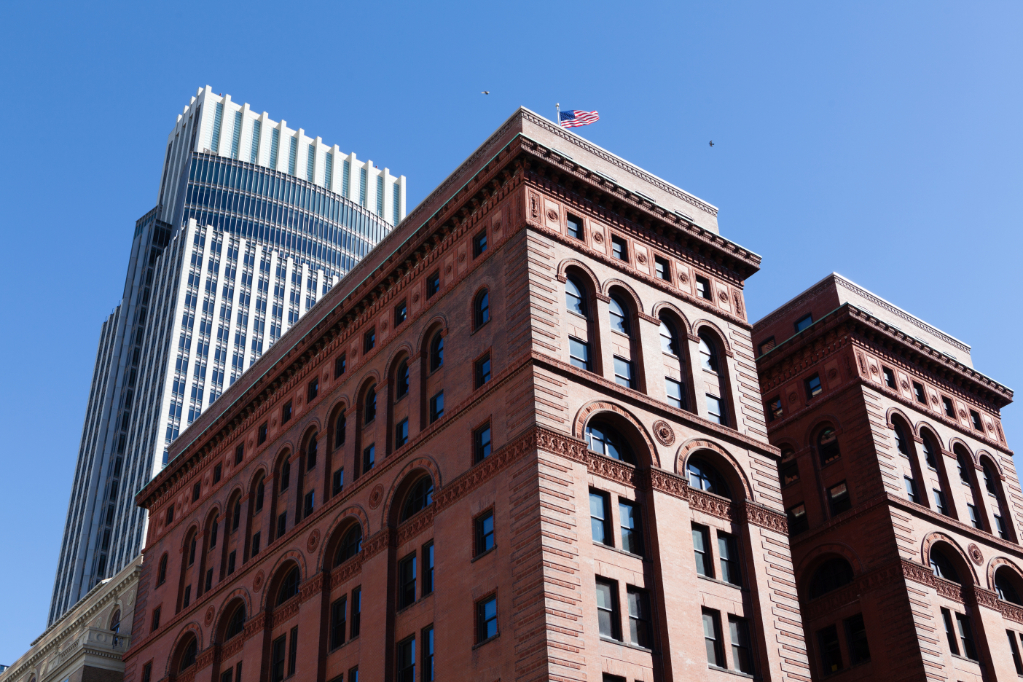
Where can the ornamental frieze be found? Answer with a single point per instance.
(376, 543)
(233, 646)
(923, 576)
(205, 659)
(416, 525)
(611, 469)
(286, 611)
(346, 571)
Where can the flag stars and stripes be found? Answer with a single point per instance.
(575, 118)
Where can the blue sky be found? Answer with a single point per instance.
(880, 140)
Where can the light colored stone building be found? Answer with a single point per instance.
(88, 642)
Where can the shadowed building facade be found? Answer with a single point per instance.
(903, 500)
(522, 439)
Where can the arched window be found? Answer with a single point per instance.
(188, 655)
(285, 474)
(669, 338)
(191, 548)
(604, 439)
(339, 428)
(260, 491)
(311, 450)
(351, 544)
(942, 566)
(619, 319)
(900, 440)
(436, 352)
(708, 353)
(929, 450)
(419, 497)
(236, 624)
(964, 467)
(289, 586)
(827, 446)
(214, 529)
(481, 309)
(989, 479)
(1004, 587)
(401, 380)
(829, 576)
(369, 405)
(574, 299)
(161, 571)
(703, 476)
(788, 467)
(236, 515)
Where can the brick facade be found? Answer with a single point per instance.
(504, 489)
(869, 397)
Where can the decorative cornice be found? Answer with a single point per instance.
(923, 576)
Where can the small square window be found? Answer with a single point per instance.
(479, 244)
(798, 521)
(579, 352)
(340, 365)
(838, 498)
(950, 409)
(703, 287)
(766, 345)
(286, 412)
(437, 406)
(486, 619)
(313, 390)
(774, 409)
(369, 340)
(484, 532)
(481, 443)
(239, 453)
(432, 284)
(975, 419)
(662, 269)
(918, 393)
(804, 322)
(401, 433)
(575, 226)
(261, 436)
(368, 458)
(623, 372)
(619, 248)
(400, 313)
(813, 386)
(217, 473)
(889, 378)
(483, 370)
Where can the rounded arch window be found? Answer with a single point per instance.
(669, 337)
(188, 654)
(419, 497)
(943, 567)
(574, 299)
(619, 318)
(901, 442)
(605, 439)
(236, 512)
(369, 404)
(989, 479)
(311, 450)
(340, 422)
(708, 353)
(161, 571)
(401, 380)
(436, 351)
(829, 576)
(1005, 588)
(289, 586)
(703, 476)
(236, 623)
(928, 447)
(963, 465)
(481, 309)
(351, 544)
(827, 446)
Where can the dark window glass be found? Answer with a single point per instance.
(369, 340)
(400, 313)
(479, 244)
(368, 457)
(662, 270)
(939, 502)
(428, 672)
(231, 561)
(918, 393)
(432, 284)
(437, 406)
(340, 425)
(217, 473)
(369, 407)
(1001, 527)
(481, 309)
(187, 599)
(161, 572)
(311, 450)
(351, 544)
(483, 370)
(255, 543)
(436, 352)
(975, 420)
(340, 365)
(401, 380)
(236, 515)
(830, 576)
(406, 660)
(813, 386)
(401, 433)
(774, 409)
(703, 476)
(788, 468)
(964, 469)
(942, 567)
(804, 322)
(575, 301)
(407, 581)
(929, 453)
(742, 654)
(701, 551)
(950, 409)
(196, 490)
(428, 568)
(623, 372)
(356, 613)
(631, 527)
(147, 672)
(293, 651)
(966, 636)
(419, 497)
(261, 437)
(838, 498)
(156, 619)
(338, 621)
(308, 503)
(214, 531)
(282, 524)
(728, 554)
(950, 632)
(619, 317)
(989, 479)
(575, 227)
(856, 639)
(600, 518)
(640, 631)
(974, 515)
(703, 287)
(605, 440)
(827, 446)
(910, 489)
(831, 653)
(278, 653)
(286, 412)
(798, 521)
(484, 533)
(889, 378)
(486, 619)
(1013, 647)
(669, 338)
(289, 586)
(712, 638)
(313, 390)
(260, 495)
(579, 352)
(285, 475)
(619, 248)
(481, 443)
(608, 616)
(338, 482)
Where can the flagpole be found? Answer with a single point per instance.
(557, 116)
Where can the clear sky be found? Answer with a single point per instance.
(880, 140)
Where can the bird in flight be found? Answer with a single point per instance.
(486, 92)
(712, 143)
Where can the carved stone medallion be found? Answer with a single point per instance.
(663, 432)
(257, 584)
(376, 497)
(975, 554)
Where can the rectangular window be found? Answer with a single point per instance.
(701, 551)
(640, 631)
(338, 621)
(623, 372)
(974, 515)
(353, 674)
(774, 409)
(239, 454)
(407, 581)
(918, 393)
(278, 651)
(328, 171)
(368, 458)
(579, 352)
(484, 532)
(910, 489)
(196, 491)
(742, 653)
(728, 555)
(830, 651)
(313, 390)
(231, 559)
(401, 433)
(427, 568)
(406, 662)
(437, 406)
(255, 543)
(486, 619)
(340, 364)
(715, 410)
(310, 166)
(804, 322)
(282, 524)
(156, 620)
(889, 378)
(575, 226)
(363, 182)
(950, 409)
(619, 248)
(939, 502)
(1013, 647)
(1000, 527)
(369, 340)
(400, 313)
(428, 674)
(482, 370)
(307, 504)
(975, 420)
(813, 386)
(293, 651)
(600, 518)
(147, 672)
(608, 615)
(293, 155)
(481, 443)
(703, 287)
(170, 515)
(838, 498)
(662, 269)
(187, 598)
(356, 613)
(950, 632)
(856, 639)
(432, 284)
(798, 522)
(674, 391)
(217, 473)
(631, 527)
(479, 244)
(712, 638)
(966, 636)
(338, 482)
(261, 437)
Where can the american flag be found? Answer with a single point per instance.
(575, 118)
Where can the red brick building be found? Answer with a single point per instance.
(903, 501)
(521, 440)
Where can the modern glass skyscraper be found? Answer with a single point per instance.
(254, 222)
